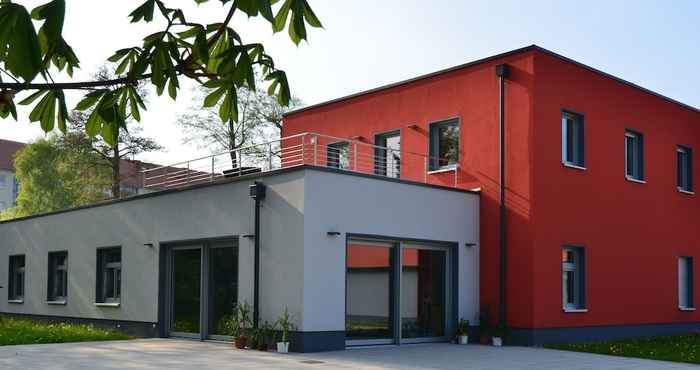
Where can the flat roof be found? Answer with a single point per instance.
(237, 179)
(525, 49)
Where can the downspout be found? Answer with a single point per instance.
(502, 73)
(257, 192)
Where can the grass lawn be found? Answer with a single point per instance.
(34, 332)
(677, 348)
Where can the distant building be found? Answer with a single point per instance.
(9, 186)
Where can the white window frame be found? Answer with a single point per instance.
(575, 117)
(578, 269)
(685, 283)
(636, 177)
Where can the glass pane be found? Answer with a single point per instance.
(223, 286)
(369, 302)
(448, 150)
(631, 156)
(186, 290)
(423, 291)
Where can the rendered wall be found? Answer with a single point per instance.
(206, 212)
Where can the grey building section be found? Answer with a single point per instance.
(302, 266)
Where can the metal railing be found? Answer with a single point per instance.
(303, 149)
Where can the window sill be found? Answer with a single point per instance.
(571, 165)
(575, 310)
(682, 191)
(686, 308)
(632, 179)
(59, 303)
(441, 170)
(15, 301)
(106, 304)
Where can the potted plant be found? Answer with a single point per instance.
(462, 331)
(499, 334)
(484, 326)
(285, 325)
(268, 336)
(238, 325)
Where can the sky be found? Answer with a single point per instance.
(369, 43)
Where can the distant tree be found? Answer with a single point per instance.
(259, 119)
(97, 150)
(53, 178)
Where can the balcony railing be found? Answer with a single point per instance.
(297, 150)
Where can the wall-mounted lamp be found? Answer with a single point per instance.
(149, 245)
(249, 236)
(414, 127)
(469, 245)
(358, 137)
(333, 233)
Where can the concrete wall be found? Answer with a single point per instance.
(366, 205)
(206, 212)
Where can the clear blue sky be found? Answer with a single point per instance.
(367, 43)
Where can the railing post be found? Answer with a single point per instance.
(425, 170)
(355, 158)
(188, 172)
(239, 162)
(213, 158)
(269, 155)
(315, 150)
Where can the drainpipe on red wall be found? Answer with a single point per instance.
(257, 192)
(502, 73)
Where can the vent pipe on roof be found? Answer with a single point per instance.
(502, 71)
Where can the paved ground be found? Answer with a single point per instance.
(168, 354)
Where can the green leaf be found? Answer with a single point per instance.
(145, 12)
(281, 17)
(89, 100)
(53, 14)
(93, 126)
(213, 98)
(28, 100)
(23, 52)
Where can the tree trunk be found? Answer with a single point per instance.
(116, 186)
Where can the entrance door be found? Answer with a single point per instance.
(396, 292)
(203, 288)
(185, 320)
(388, 154)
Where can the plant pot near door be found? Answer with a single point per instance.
(283, 347)
(462, 332)
(497, 341)
(285, 324)
(240, 342)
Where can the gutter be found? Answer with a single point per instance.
(502, 71)
(257, 192)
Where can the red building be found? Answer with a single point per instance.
(600, 214)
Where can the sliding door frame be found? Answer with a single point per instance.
(451, 286)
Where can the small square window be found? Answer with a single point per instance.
(684, 167)
(338, 155)
(58, 276)
(572, 139)
(109, 275)
(444, 144)
(16, 278)
(685, 282)
(634, 155)
(573, 278)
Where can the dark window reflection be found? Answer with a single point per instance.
(422, 293)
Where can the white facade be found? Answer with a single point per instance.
(302, 266)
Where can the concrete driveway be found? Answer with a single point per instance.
(180, 354)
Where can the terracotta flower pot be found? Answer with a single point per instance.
(484, 339)
(240, 342)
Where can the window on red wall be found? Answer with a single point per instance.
(572, 139)
(634, 155)
(444, 144)
(573, 278)
(684, 158)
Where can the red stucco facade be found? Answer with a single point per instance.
(632, 232)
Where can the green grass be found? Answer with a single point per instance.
(34, 332)
(677, 348)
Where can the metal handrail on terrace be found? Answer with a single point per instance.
(297, 150)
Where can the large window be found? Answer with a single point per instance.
(685, 282)
(16, 278)
(573, 278)
(444, 144)
(58, 276)
(634, 155)
(109, 275)
(684, 168)
(572, 139)
(338, 155)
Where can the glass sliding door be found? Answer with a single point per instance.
(423, 292)
(369, 288)
(397, 292)
(186, 288)
(222, 288)
(387, 158)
